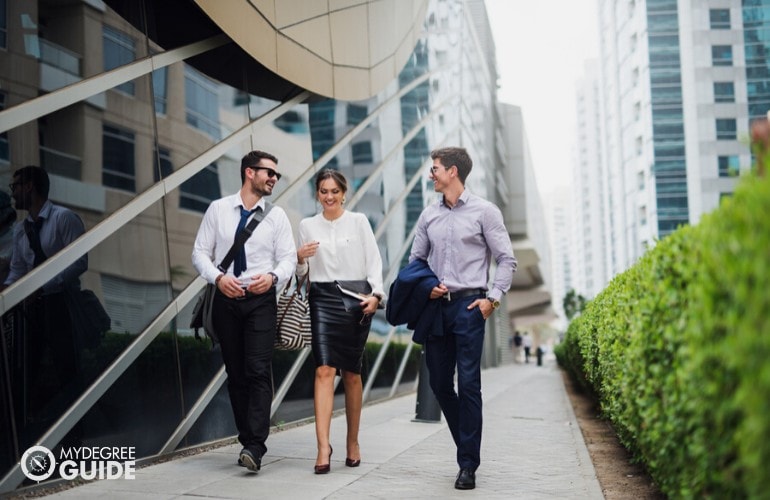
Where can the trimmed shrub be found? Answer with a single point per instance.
(677, 349)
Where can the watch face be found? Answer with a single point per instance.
(38, 463)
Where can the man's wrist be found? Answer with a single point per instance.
(218, 279)
(274, 276)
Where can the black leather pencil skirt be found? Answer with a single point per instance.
(339, 337)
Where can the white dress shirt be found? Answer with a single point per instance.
(269, 249)
(347, 250)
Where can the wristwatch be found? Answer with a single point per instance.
(275, 277)
(495, 302)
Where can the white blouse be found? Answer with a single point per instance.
(347, 250)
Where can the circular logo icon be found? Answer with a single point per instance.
(38, 463)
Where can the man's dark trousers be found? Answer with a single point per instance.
(246, 330)
(460, 346)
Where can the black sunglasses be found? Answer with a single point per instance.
(270, 172)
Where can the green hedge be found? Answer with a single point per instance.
(677, 349)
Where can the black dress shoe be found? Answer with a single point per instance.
(249, 460)
(466, 480)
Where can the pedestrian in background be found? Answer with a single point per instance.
(244, 309)
(517, 347)
(459, 236)
(338, 244)
(527, 342)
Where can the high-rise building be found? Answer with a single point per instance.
(680, 82)
(562, 242)
(589, 184)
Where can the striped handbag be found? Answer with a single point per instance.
(293, 327)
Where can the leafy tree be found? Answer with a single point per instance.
(573, 303)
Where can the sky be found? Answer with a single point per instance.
(541, 50)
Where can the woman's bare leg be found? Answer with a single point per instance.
(323, 403)
(353, 402)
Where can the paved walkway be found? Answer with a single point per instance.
(532, 449)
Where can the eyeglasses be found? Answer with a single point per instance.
(13, 185)
(434, 169)
(270, 172)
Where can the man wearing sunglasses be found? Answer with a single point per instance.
(244, 307)
(459, 236)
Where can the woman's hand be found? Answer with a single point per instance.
(369, 305)
(307, 250)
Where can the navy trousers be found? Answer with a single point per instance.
(459, 348)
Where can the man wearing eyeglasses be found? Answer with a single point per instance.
(459, 236)
(47, 323)
(244, 307)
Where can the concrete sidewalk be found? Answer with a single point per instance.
(532, 448)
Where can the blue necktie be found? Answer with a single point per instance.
(240, 257)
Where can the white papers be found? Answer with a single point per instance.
(351, 293)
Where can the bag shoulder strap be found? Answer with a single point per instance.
(243, 235)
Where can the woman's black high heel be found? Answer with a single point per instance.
(349, 462)
(325, 468)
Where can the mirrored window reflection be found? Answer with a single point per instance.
(201, 101)
(164, 166)
(160, 90)
(118, 160)
(143, 407)
(298, 403)
(135, 276)
(63, 336)
(3, 24)
(197, 193)
(215, 422)
(119, 49)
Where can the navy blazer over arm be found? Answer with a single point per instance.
(409, 301)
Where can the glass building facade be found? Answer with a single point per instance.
(756, 39)
(138, 137)
(670, 167)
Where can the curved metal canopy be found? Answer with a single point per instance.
(345, 49)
